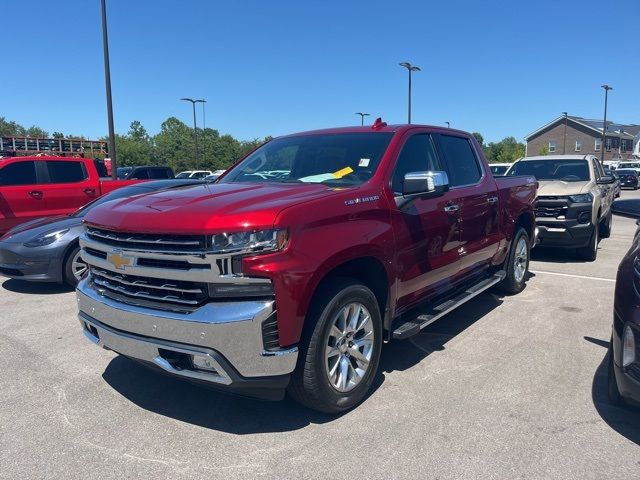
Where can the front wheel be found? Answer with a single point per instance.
(517, 263)
(605, 226)
(612, 385)
(590, 252)
(340, 348)
(74, 267)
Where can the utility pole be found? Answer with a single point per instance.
(411, 69)
(195, 133)
(362, 115)
(604, 124)
(564, 143)
(448, 124)
(107, 79)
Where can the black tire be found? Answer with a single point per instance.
(605, 226)
(513, 282)
(590, 252)
(67, 268)
(612, 385)
(310, 382)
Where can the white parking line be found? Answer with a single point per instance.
(573, 276)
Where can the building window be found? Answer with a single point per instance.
(552, 146)
(608, 144)
(598, 144)
(578, 145)
(623, 145)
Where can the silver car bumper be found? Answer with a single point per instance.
(227, 335)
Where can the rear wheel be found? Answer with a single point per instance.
(517, 263)
(340, 348)
(590, 252)
(74, 267)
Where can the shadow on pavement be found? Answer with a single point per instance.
(208, 408)
(625, 421)
(40, 288)
(555, 255)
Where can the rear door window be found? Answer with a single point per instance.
(464, 168)
(20, 173)
(66, 172)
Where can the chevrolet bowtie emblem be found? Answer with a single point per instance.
(118, 260)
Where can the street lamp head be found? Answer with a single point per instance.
(415, 69)
(405, 64)
(187, 99)
(606, 87)
(200, 101)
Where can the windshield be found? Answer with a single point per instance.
(119, 193)
(564, 170)
(626, 171)
(629, 165)
(183, 175)
(498, 169)
(330, 159)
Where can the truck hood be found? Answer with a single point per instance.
(203, 209)
(554, 188)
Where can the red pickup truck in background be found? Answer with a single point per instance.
(32, 187)
(310, 252)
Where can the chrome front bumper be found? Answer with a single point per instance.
(229, 334)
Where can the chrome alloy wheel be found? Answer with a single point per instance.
(349, 347)
(520, 260)
(78, 266)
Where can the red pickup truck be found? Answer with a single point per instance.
(304, 258)
(32, 187)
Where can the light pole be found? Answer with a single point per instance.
(195, 134)
(107, 80)
(448, 124)
(564, 142)
(604, 124)
(411, 69)
(362, 115)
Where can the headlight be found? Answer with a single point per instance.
(582, 198)
(46, 238)
(249, 242)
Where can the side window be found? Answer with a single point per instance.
(417, 155)
(158, 173)
(20, 173)
(66, 172)
(596, 169)
(462, 162)
(140, 175)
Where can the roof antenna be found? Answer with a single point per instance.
(378, 124)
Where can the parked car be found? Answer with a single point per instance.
(574, 201)
(634, 165)
(194, 174)
(146, 172)
(33, 187)
(374, 233)
(616, 185)
(47, 250)
(499, 169)
(214, 176)
(624, 348)
(628, 178)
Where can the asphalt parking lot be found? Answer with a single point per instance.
(505, 387)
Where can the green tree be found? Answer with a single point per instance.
(479, 138)
(58, 135)
(34, 131)
(507, 150)
(136, 147)
(544, 150)
(8, 128)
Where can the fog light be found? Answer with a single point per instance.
(221, 290)
(584, 217)
(628, 347)
(204, 362)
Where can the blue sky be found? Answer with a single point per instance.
(274, 67)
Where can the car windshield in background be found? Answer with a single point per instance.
(626, 171)
(331, 159)
(498, 169)
(628, 165)
(564, 170)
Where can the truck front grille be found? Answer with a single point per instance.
(551, 212)
(151, 242)
(182, 293)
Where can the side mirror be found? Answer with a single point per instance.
(606, 180)
(423, 185)
(626, 208)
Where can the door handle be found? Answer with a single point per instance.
(90, 191)
(492, 200)
(36, 193)
(452, 208)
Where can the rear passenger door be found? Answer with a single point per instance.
(478, 203)
(21, 198)
(68, 185)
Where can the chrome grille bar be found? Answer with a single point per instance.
(141, 294)
(143, 283)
